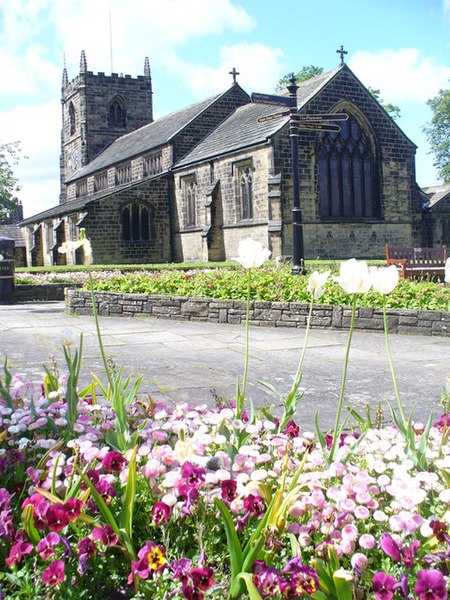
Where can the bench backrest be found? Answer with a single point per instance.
(417, 256)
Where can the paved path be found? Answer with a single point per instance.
(184, 360)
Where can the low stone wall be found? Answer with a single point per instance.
(47, 292)
(274, 314)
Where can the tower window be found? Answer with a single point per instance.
(72, 119)
(348, 173)
(117, 115)
(138, 222)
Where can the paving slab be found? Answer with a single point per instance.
(193, 361)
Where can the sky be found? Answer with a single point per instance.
(400, 47)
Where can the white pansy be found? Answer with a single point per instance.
(316, 281)
(384, 279)
(252, 254)
(354, 277)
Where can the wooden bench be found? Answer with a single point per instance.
(417, 261)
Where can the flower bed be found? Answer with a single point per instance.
(382, 515)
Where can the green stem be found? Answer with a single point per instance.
(391, 365)
(241, 399)
(343, 382)
(305, 345)
(97, 327)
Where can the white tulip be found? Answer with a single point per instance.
(83, 242)
(251, 254)
(354, 277)
(447, 270)
(316, 282)
(384, 279)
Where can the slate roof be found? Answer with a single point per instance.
(146, 138)
(79, 204)
(13, 232)
(436, 193)
(242, 129)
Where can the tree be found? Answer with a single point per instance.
(10, 154)
(304, 74)
(311, 71)
(438, 133)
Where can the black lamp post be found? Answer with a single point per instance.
(298, 254)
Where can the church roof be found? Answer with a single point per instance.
(13, 231)
(146, 138)
(437, 193)
(79, 204)
(242, 129)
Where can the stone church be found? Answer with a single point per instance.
(190, 185)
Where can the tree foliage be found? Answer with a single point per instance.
(10, 154)
(438, 133)
(312, 71)
(305, 73)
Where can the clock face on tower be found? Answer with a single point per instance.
(74, 159)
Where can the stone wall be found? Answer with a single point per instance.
(272, 314)
(45, 293)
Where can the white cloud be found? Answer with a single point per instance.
(400, 75)
(258, 65)
(38, 129)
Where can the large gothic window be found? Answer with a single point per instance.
(348, 173)
(72, 119)
(117, 115)
(138, 223)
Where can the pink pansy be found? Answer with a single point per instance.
(105, 534)
(46, 546)
(383, 586)
(17, 551)
(73, 508)
(430, 585)
(160, 512)
(57, 517)
(54, 573)
(114, 461)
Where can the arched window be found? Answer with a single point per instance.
(189, 201)
(72, 119)
(117, 114)
(348, 173)
(246, 192)
(138, 223)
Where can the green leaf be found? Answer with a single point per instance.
(234, 545)
(342, 585)
(28, 523)
(251, 587)
(126, 513)
(104, 509)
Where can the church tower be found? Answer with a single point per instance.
(96, 110)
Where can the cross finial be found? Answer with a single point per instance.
(234, 73)
(342, 52)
